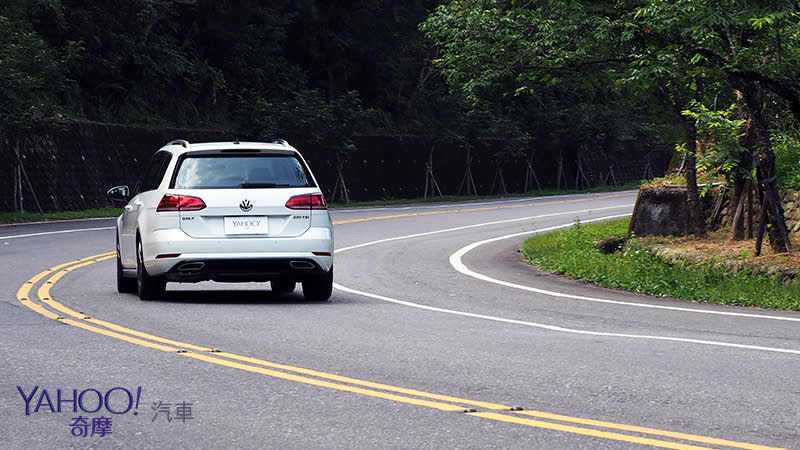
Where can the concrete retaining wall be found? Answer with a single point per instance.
(663, 211)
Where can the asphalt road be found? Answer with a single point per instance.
(437, 336)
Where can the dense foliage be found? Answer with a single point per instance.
(317, 69)
(289, 67)
(693, 53)
(557, 74)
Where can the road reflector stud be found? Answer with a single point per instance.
(180, 350)
(87, 317)
(470, 410)
(216, 350)
(517, 408)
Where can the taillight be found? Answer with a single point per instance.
(307, 201)
(171, 202)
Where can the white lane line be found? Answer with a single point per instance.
(46, 233)
(458, 264)
(467, 204)
(562, 329)
(444, 205)
(546, 326)
(485, 224)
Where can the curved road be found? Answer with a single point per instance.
(437, 336)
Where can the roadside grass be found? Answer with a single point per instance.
(27, 216)
(573, 252)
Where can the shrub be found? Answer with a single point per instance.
(787, 160)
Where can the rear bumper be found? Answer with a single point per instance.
(178, 257)
(236, 270)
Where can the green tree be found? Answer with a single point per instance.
(679, 46)
(33, 74)
(140, 62)
(541, 65)
(370, 46)
(753, 46)
(208, 63)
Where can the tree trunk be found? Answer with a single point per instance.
(748, 226)
(741, 212)
(425, 73)
(737, 209)
(696, 219)
(772, 211)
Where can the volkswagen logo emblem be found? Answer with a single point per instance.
(245, 206)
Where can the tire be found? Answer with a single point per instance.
(148, 288)
(124, 285)
(283, 286)
(318, 288)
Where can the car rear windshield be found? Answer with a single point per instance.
(227, 171)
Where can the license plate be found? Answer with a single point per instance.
(246, 225)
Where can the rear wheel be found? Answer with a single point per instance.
(283, 286)
(148, 287)
(318, 288)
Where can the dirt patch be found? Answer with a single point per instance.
(718, 247)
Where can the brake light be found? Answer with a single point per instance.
(307, 201)
(171, 202)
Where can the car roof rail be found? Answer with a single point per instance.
(281, 142)
(183, 143)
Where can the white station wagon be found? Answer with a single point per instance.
(228, 212)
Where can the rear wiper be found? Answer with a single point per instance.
(247, 185)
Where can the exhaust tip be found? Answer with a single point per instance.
(192, 266)
(301, 265)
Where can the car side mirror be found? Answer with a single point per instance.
(119, 195)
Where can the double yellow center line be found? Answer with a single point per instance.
(46, 305)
